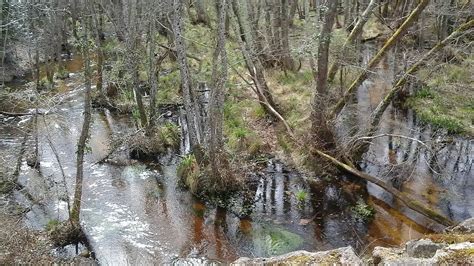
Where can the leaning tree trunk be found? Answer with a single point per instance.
(379, 56)
(355, 33)
(253, 63)
(378, 112)
(321, 133)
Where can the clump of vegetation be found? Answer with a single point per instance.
(446, 100)
(273, 241)
(164, 137)
(6, 186)
(301, 196)
(169, 135)
(363, 210)
(189, 173)
(240, 138)
(62, 73)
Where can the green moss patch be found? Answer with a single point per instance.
(447, 100)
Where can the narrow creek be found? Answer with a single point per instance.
(136, 213)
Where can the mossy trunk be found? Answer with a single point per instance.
(348, 94)
(382, 106)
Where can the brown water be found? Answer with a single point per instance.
(138, 214)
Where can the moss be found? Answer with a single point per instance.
(458, 257)
(6, 186)
(52, 225)
(446, 101)
(451, 238)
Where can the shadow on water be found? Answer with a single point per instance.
(136, 213)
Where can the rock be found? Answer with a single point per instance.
(344, 256)
(461, 253)
(466, 227)
(423, 248)
(381, 254)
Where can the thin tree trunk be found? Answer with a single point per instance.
(202, 16)
(186, 83)
(378, 112)
(81, 144)
(379, 56)
(286, 60)
(253, 63)
(216, 102)
(320, 129)
(355, 33)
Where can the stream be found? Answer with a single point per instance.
(136, 213)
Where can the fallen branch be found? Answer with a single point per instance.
(403, 197)
(11, 114)
(393, 135)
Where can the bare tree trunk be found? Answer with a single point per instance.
(81, 144)
(186, 83)
(286, 60)
(355, 33)
(379, 56)
(217, 155)
(321, 133)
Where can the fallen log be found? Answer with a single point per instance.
(403, 197)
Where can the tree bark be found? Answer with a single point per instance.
(186, 83)
(321, 133)
(355, 33)
(81, 144)
(379, 56)
(216, 101)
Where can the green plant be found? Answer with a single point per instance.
(301, 196)
(363, 210)
(52, 225)
(189, 173)
(170, 135)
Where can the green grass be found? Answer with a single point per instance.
(447, 101)
(301, 195)
(444, 109)
(170, 135)
(189, 173)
